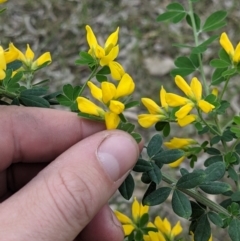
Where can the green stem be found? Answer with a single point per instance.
(197, 196)
(89, 77)
(7, 94)
(195, 34)
(224, 88)
(212, 129)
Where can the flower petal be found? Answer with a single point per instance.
(108, 91)
(236, 57)
(176, 143)
(226, 44)
(2, 62)
(116, 69)
(186, 120)
(147, 120)
(88, 107)
(177, 229)
(112, 39)
(196, 87)
(143, 210)
(177, 162)
(11, 54)
(44, 58)
(96, 92)
(91, 39)
(174, 100)
(127, 229)
(125, 87)
(116, 107)
(112, 120)
(183, 111)
(151, 106)
(29, 54)
(183, 85)
(205, 106)
(21, 56)
(123, 219)
(163, 98)
(105, 60)
(135, 210)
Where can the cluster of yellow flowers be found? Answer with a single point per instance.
(28, 63)
(111, 96)
(164, 230)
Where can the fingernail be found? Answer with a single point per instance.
(117, 154)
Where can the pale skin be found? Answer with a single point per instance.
(52, 184)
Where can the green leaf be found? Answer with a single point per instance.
(232, 173)
(143, 220)
(195, 60)
(132, 104)
(36, 101)
(142, 166)
(127, 187)
(14, 65)
(90, 117)
(215, 219)
(197, 210)
(229, 73)
(234, 230)
(214, 21)
(37, 91)
(223, 55)
(183, 71)
(236, 120)
(181, 205)
(168, 156)
(127, 127)
(218, 63)
(215, 187)
(154, 145)
(184, 62)
(145, 178)
(151, 188)
(237, 148)
(155, 174)
(215, 140)
(203, 46)
(159, 126)
(105, 70)
(217, 77)
(136, 136)
(191, 180)
(42, 82)
(166, 130)
(215, 171)
(101, 78)
(157, 197)
(235, 196)
(203, 229)
(183, 171)
(223, 106)
(197, 21)
(85, 59)
(213, 151)
(175, 7)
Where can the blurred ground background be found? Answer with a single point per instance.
(146, 50)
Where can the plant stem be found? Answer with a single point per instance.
(224, 88)
(5, 93)
(197, 196)
(89, 77)
(195, 34)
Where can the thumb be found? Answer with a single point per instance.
(63, 198)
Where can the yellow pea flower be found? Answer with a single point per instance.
(228, 47)
(138, 210)
(156, 113)
(3, 1)
(179, 143)
(194, 98)
(153, 236)
(106, 54)
(3, 64)
(165, 227)
(28, 58)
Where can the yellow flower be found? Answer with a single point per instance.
(138, 210)
(110, 96)
(179, 143)
(106, 54)
(194, 98)
(28, 58)
(157, 113)
(3, 1)
(165, 227)
(228, 47)
(153, 236)
(192, 235)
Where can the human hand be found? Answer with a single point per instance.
(57, 173)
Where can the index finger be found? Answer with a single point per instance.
(31, 134)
